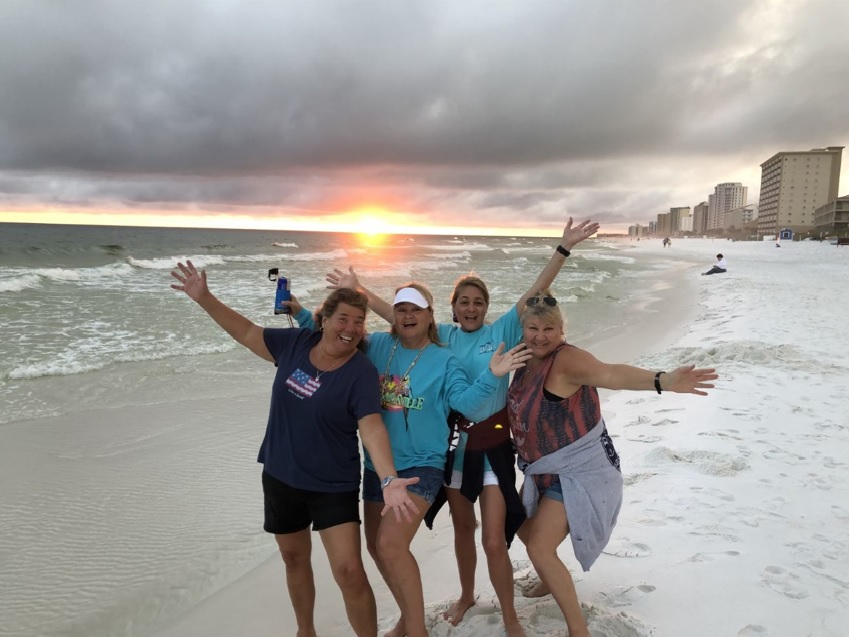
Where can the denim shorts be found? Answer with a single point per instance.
(430, 480)
(555, 492)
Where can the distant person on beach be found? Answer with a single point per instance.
(666, 242)
(720, 267)
(421, 383)
(483, 462)
(325, 392)
(573, 483)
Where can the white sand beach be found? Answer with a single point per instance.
(736, 507)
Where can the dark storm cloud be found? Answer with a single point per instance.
(535, 104)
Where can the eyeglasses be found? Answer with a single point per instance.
(550, 301)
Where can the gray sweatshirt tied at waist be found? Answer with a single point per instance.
(592, 491)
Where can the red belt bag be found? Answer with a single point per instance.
(487, 433)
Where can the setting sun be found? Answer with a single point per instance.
(372, 225)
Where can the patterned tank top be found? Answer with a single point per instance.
(541, 426)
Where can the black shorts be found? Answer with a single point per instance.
(289, 510)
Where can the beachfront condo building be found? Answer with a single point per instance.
(700, 213)
(739, 217)
(669, 223)
(725, 197)
(833, 217)
(664, 225)
(682, 218)
(793, 185)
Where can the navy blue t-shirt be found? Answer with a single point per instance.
(311, 438)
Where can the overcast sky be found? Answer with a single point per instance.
(474, 113)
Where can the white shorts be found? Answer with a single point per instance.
(489, 479)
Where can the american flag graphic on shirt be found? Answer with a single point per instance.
(302, 382)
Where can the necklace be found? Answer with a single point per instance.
(406, 376)
(319, 372)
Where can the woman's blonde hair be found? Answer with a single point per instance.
(537, 307)
(432, 331)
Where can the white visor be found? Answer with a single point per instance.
(410, 295)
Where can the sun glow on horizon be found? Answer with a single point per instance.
(371, 224)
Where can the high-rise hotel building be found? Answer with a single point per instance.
(725, 197)
(700, 217)
(793, 185)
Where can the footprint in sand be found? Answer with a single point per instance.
(818, 482)
(715, 531)
(728, 433)
(626, 596)
(830, 463)
(634, 478)
(664, 422)
(653, 517)
(708, 462)
(624, 548)
(753, 630)
(604, 623)
(715, 493)
(709, 557)
(783, 581)
(643, 438)
(839, 512)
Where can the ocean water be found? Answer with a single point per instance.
(129, 422)
(87, 311)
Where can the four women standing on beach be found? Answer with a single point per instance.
(552, 410)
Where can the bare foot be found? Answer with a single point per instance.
(514, 629)
(537, 590)
(306, 633)
(400, 629)
(455, 614)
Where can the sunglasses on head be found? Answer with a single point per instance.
(548, 300)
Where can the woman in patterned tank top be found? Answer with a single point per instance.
(573, 485)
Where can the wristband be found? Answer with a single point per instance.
(563, 250)
(657, 381)
(386, 481)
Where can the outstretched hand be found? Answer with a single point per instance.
(192, 282)
(503, 362)
(689, 380)
(396, 498)
(573, 236)
(339, 279)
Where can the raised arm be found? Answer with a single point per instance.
(571, 238)
(574, 367)
(243, 331)
(339, 279)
